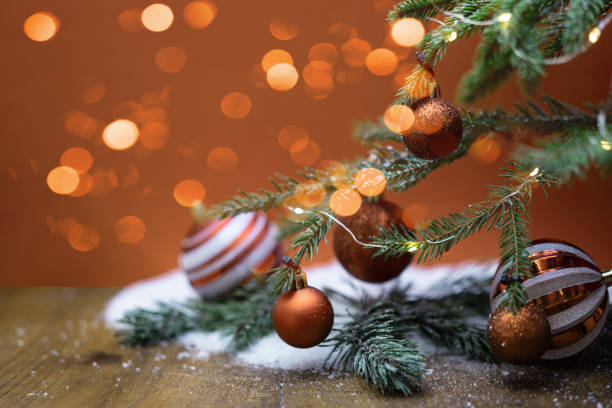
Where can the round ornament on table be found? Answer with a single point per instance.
(303, 318)
(569, 287)
(519, 338)
(436, 131)
(219, 256)
(356, 258)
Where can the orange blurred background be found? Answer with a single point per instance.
(89, 199)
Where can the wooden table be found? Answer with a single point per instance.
(56, 352)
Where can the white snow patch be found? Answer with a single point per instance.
(271, 351)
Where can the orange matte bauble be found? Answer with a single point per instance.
(303, 318)
(519, 338)
(359, 260)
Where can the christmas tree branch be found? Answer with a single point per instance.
(374, 345)
(306, 245)
(244, 314)
(506, 210)
(517, 36)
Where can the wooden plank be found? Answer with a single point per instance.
(55, 351)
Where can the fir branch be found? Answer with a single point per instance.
(506, 210)
(373, 344)
(421, 9)
(245, 314)
(243, 202)
(370, 131)
(580, 16)
(151, 326)
(569, 156)
(306, 245)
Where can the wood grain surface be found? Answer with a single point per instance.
(56, 352)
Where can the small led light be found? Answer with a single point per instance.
(298, 211)
(594, 35)
(452, 37)
(606, 145)
(534, 172)
(413, 246)
(504, 17)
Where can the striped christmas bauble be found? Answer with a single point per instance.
(219, 256)
(570, 288)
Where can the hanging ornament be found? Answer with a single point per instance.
(357, 259)
(571, 290)
(436, 131)
(222, 254)
(302, 317)
(519, 338)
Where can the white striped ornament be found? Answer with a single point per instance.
(224, 253)
(570, 287)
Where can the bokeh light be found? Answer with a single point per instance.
(398, 118)
(258, 76)
(80, 124)
(93, 91)
(77, 158)
(157, 17)
(310, 193)
(84, 187)
(170, 59)
(305, 154)
(283, 30)
(63, 180)
(292, 135)
(41, 26)
(129, 20)
(381, 61)
(222, 159)
(355, 52)
(104, 181)
(415, 214)
(282, 77)
(199, 14)
(154, 135)
(338, 175)
(128, 175)
(370, 182)
(83, 238)
(189, 192)
(318, 79)
(323, 52)
(120, 134)
(276, 56)
(345, 202)
(236, 105)
(399, 79)
(350, 76)
(485, 150)
(408, 32)
(130, 229)
(342, 31)
(422, 83)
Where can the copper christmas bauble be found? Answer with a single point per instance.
(568, 285)
(357, 259)
(519, 338)
(436, 131)
(303, 318)
(221, 254)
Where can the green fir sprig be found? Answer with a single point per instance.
(245, 314)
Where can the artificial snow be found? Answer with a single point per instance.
(271, 351)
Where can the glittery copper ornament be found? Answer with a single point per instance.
(437, 129)
(519, 338)
(570, 288)
(356, 258)
(303, 318)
